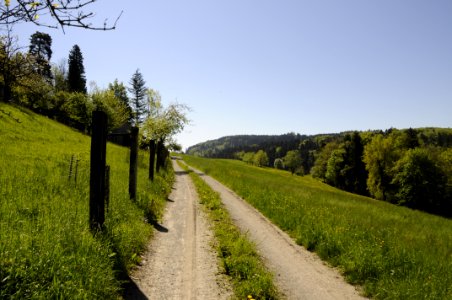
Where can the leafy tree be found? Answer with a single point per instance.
(117, 112)
(248, 157)
(292, 160)
(321, 163)
(14, 65)
(261, 158)
(41, 49)
(421, 183)
(120, 92)
(76, 74)
(278, 164)
(138, 101)
(59, 13)
(60, 75)
(336, 169)
(380, 155)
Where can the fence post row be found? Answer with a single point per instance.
(97, 171)
(133, 162)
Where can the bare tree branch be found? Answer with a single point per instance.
(60, 13)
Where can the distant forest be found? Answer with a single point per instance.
(409, 167)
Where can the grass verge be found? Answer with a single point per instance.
(46, 248)
(393, 252)
(239, 257)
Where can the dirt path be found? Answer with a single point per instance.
(180, 262)
(299, 274)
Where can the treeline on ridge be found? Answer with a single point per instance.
(409, 167)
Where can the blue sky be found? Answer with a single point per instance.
(272, 67)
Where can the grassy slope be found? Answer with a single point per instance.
(46, 248)
(392, 251)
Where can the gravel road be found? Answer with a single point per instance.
(180, 262)
(299, 274)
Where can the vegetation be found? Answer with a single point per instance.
(393, 252)
(61, 13)
(46, 248)
(76, 74)
(240, 259)
(366, 163)
(138, 101)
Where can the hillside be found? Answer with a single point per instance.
(46, 248)
(227, 146)
(392, 251)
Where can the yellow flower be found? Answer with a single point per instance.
(7, 2)
(55, 5)
(36, 17)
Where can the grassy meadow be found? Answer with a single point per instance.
(239, 256)
(46, 248)
(392, 252)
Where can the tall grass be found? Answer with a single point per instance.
(393, 252)
(46, 248)
(238, 255)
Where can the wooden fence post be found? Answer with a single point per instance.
(97, 171)
(133, 170)
(151, 159)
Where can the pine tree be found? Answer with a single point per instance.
(138, 100)
(41, 49)
(76, 73)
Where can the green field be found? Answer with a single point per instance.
(46, 248)
(392, 252)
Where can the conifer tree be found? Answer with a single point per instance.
(138, 101)
(41, 49)
(76, 73)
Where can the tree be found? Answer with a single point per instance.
(138, 100)
(106, 100)
(336, 168)
(60, 74)
(261, 158)
(14, 65)
(292, 160)
(120, 92)
(421, 184)
(76, 73)
(58, 13)
(321, 163)
(248, 157)
(278, 164)
(380, 156)
(41, 49)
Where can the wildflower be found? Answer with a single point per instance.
(7, 2)
(36, 17)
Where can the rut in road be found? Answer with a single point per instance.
(180, 262)
(299, 274)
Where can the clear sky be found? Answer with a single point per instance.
(272, 67)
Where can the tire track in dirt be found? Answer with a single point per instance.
(299, 274)
(180, 262)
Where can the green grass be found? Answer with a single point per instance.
(46, 248)
(393, 252)
(239, 257)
